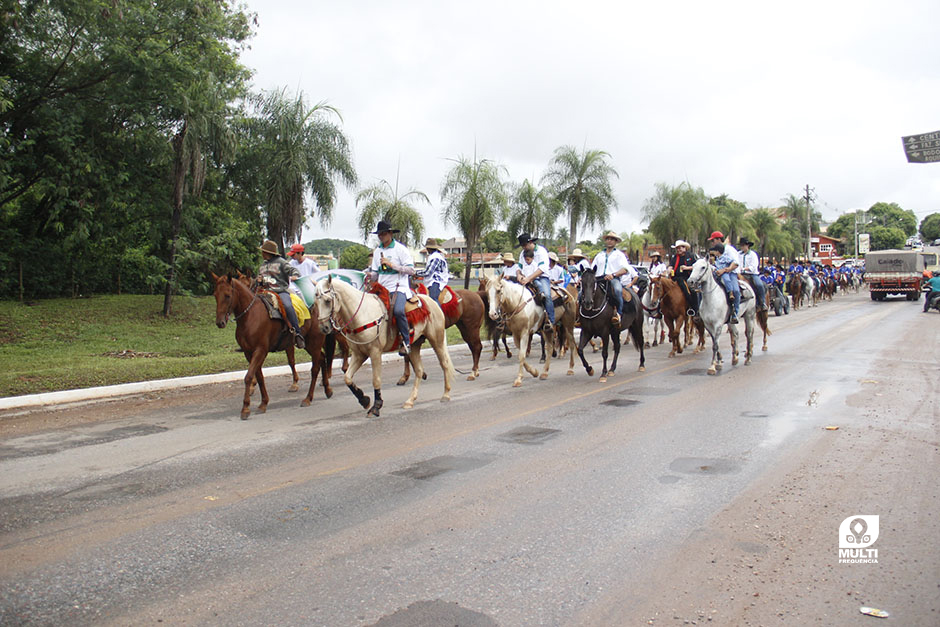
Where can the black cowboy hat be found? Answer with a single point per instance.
(384, 227)
(525, 238)
(745, 242)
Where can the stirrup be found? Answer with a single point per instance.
(690, 312)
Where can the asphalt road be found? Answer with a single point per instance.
(565, 501)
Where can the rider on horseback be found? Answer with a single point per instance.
(392, 265)
(750, 269)
(275, 275)
(536, 272)
(435, 269)
(577, 263)
(612, 264)
(727, 265)
(681, 270)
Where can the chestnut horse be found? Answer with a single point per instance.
(668, 297)
(795, 289)
(466, 310)
(257, 335)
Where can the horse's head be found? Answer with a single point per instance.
(588, 285)
(656, 291)
(699, 273)
(325, 301)
(224, 299)
(494, 289)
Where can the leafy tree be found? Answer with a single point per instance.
(381, 202)
(355, 257)
(884, 237)
(532, 210)
(474, 200)
(930, 227)
(636, 244)
(301, 151)
(581, 183)
(890, 215)
(732, 215)
(770, 238)
(497, 242)
(676, 213)
(326, 246)
(456, 268)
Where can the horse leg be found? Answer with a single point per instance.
(293, 371)
(616, 345)
(604, 354)
(674, 332)
(476, 347)
(315, 349)
(749, 336)
(443, 358)
(638, 341)
(569, 344)
(716, 355)
(582, 342)
(733, 332)
(548, 358)
(407, 372)
(355, 362)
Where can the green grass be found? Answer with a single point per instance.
(64, 344)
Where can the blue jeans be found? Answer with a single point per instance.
(398, 310)
(434, 291)
(289, 309)
(760, 289)
(730, 281)
(545, 287)
(616, 290)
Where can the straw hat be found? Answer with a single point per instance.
(576, 254)
(553, 256)
(613, 235)
(655, 253)
(269, 247)
(681, 242)
(431, 244)
(508, 257)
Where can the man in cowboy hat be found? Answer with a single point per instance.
(536, 272)
(392, 265)
(276, 275)
(612, 265)
(510, 267)
(681, 271)
(305, 265)
(750, 269)
(435, 271)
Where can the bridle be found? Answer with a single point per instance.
(231, 306)
(581, 300)
(343, 328)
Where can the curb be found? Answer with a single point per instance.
(127, 389)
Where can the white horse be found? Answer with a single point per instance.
(370, 330)
(652, 318)
(515, 305)
(714, 311)
(809, 289)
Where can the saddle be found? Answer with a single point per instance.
(448, 300)
(415, 311)
(275, 308)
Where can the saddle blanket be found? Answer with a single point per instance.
(274, 306)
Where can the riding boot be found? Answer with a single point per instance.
(299, 339)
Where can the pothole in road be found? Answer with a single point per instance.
(528, 435)
(648, 391)
(620, 402)
(693, 371)
(704, 466)
(437, 612)
(435, 466)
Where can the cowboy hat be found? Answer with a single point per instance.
(681, 242)
(269, 247)
(553, 256)
(525, 238)
(716, 235)
(745, 242)
(613, 235)
(431, 244)
(384, 227)
(576, 254)
(296, 249)
(508, 257)
(656, 253)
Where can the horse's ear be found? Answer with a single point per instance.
(215, 277)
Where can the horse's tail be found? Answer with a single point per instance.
(762, 321)
(636, 332)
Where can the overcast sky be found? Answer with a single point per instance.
(750, 99)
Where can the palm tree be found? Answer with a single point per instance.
(581, 183)
(381, 202)
(674, 213)
(474, 200)
(532, 210)
(733, 216)
(765, 226)
(301, 151)
(204, 128)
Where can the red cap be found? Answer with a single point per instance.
(716, 235)
(296, 249)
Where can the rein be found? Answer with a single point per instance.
(345, 330)
(602, 287)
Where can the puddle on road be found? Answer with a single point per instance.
(704, 466)
(754, 414)
(649, 391)
(621, 402)
(528, 435)
(693, 371)
(436, 466)
(437, 612)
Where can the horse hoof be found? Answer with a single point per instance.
(328, 392)
(611, 373)
(590, 372)
(517, 383)
(570, 373)
(445, 398)
(602, 380)
(641, 369)
(470, 377)
(408, 405)
(245, 415)
(647, 344)
(543, 376)
(541, 361)
(262, 409)
(712, 370)
(372, 412)
(293, 388)
(365, 403)
(763, 348)
(305, 402)
(734, 362)
(402, 381)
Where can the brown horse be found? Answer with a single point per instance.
(667, 294)
(466, 310)
(257, 335)
(795, 290)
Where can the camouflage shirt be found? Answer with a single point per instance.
(275, 274)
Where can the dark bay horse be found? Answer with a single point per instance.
(257, 335)
(466, 310)
(596, 313)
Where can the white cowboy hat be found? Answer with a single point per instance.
(681, 242)
(553, 256)
(576, 254)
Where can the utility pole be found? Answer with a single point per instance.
(809, 244)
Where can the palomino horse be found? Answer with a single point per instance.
(596, 313)
(515, 305)
(667, 296)
(494, 328)
(714, 310)
(257, 335)
(371, 331)
(466, 310)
